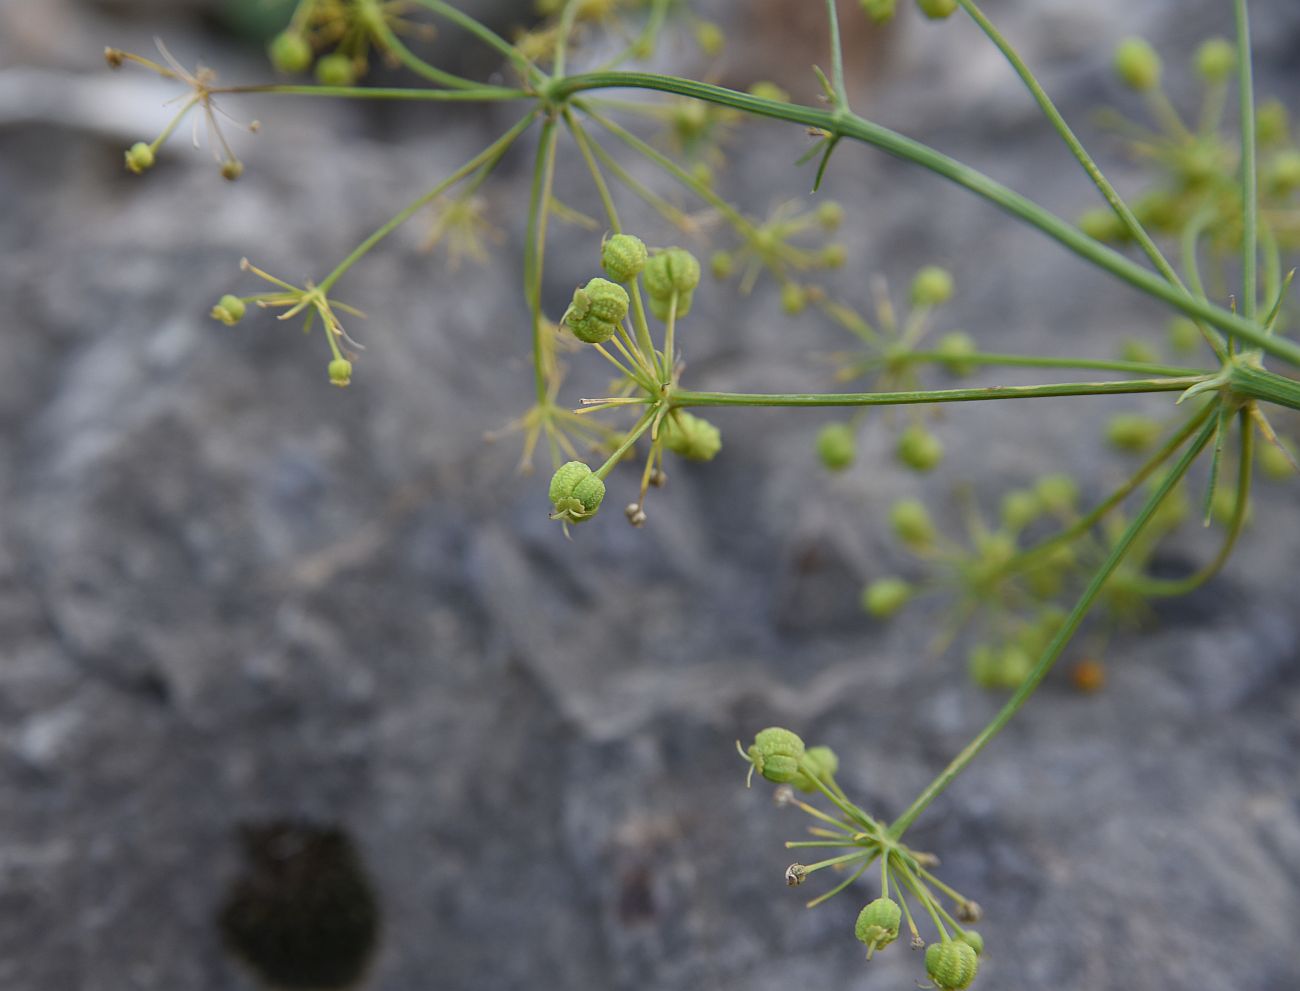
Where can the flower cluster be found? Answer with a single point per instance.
(855, 841)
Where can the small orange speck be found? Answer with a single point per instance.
(1088, 676)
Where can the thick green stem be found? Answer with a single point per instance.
(481, 94)
(1035, 361)
(1058, 644)
(1252, 382)
(686, 398)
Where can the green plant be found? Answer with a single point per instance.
(1208, 194)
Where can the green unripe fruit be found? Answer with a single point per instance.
(775, 754)
(710, 38)
(1216, 60)
(596, 311)
(836, 446)
(919, 449)
(886, 596)
(139, 157)
(336, 69)
(229, 310)
(877, 924)
(1058, 493)
(937, 10)
(1140, 351)
(830, 215)
(932, 286)
(879, 11)
(1020, 507)
(1274, 461)
(765, 90)
(951, 965)
(340, 372)
(1137, 64)
(834, 256)
(669, 271)
(793, 299)
(290, 52)
(1184, 336)
(691, 437)
(722, 264)
(1102, 224)
(819, 763)
(576, 492)
(623, 257)
(956, 348)
(911, 522)
(662, 306)
(1284, 172)
(1271, 124)
(974, 940)
(1132, 432)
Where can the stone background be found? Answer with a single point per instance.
(230, 593)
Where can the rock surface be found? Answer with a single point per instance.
(230, 593)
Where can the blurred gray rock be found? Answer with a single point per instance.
(230, 593)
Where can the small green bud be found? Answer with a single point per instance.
(576, 492)
(951, 964)
(669, 271)
(793, 298)
(932, 286)
(1020, 508)
(340, 372)
(884, 597)
(721, 264)
(1284, 172)
(820, 763)
(1216, 60)
(1271, 123)
(1135, 350)
(879, 11)
(765, 90)
(836, 446)
(1275, 462)
(703, 173)
(1184, 336)
(139, 157)
(912, 524)
(919, 449)
(229, 310)
(1137, 64)
(1058, 493)
(956, 347)
(937, 10)
(710, 38)
(691, 437)
(1102, 224)
(830, 215)
(623, 257)
(290, 52)
(336, 69)
(1132, 431)
(877, 924)
(596, 311)
(834, 256)
(776, 753)
(974, 940)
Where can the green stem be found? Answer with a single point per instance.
(485, 159)
(1252, 382)
(1063, 637)
(534, 243)
(583, 142)
(642, 425)
(687, 398)
(1249, 173)
(851, 126)
(1035, 361)
(481, 94)
(837, 55)
(374, 19)
(1181, 586)
(488, 37)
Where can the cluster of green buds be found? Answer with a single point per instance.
(882, 11)
(335, 38)
(892, 356)
(1196, 162)
(855, 841)
(609, 314)
(778, 245)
